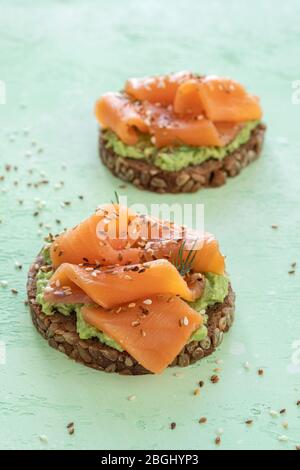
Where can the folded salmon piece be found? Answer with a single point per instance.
(118, 285)
(161, 89)
(153, 333)
(219, 99)
(115, 111)
(102, 239)
(92, 242)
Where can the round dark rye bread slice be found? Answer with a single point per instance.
(211, 173)
(60, 332)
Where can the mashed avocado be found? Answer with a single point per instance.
(175, 158)
(216, 289)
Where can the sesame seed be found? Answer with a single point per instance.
(43, 438)
(246, 365)
(3, 283)
(283, 438)
(197, 391)
(131, 397)
(285, 424)
(131, 305)
(184, 321)
(48, 289)
(147, 302)
(274, 414)
(57, 283)
(135, 323)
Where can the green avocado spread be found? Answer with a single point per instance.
(216, 289)
(175, 158)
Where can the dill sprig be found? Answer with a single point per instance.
(184, 265)
(116, 200)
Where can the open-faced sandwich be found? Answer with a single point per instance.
(179, 132)
(127, 293)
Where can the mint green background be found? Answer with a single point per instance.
(56, 59)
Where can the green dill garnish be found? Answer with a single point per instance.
(185, 265)
(116, 201)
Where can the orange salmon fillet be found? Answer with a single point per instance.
(161, 89)
(82, 245)
(115, 111)
(110, 288)
(153, 334)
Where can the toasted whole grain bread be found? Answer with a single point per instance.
(211, 173)
(60, 332)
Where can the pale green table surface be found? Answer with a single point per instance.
(56, 58)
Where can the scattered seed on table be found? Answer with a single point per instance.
(80, 197)
(297, 447)
(260, 372)
(70, 428)
(201, 384)
(197, 391)
(131, 397)
(14, 291)
(214, 379)
(292, 271)
(249, 422)
(246, 365)
(218, 440)
(293, 265)
(283, 411)
(173, 425)
(274, 413)
(298, 403)
(18, 265)
(285, 424)
(43, 438)
(274, 226)
(283, 438)
(3, 283)
(203, 420)
(178, 374)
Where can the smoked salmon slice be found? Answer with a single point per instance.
(153, 333)
(112, 287)
(199, 132)
(85, 244)
(161, 89)
(187, 100)
(219, 99)
(228, 101)
(115, 111)
(98, 240)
